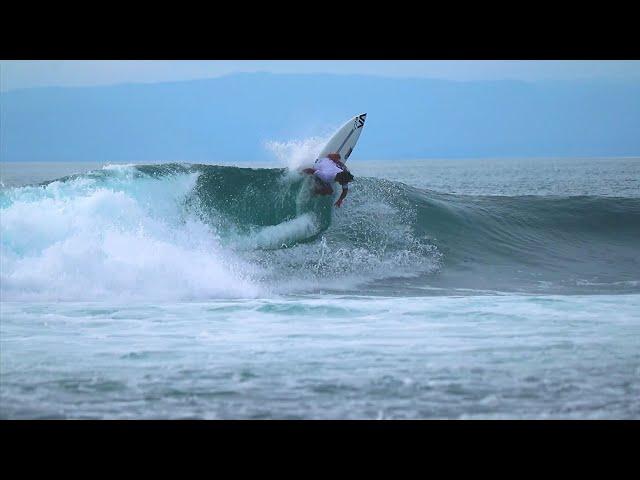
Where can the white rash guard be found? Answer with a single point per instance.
(326, 170)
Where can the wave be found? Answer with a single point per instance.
(180, 231)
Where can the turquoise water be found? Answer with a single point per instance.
(499, 288)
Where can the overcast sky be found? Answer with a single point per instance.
(37, 73)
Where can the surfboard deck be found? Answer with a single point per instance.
(345, 139)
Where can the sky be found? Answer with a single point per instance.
(234, 118)
(18, 74)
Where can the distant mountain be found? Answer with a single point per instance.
(230, 118)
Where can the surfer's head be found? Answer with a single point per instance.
(344, 177)
(334, 156)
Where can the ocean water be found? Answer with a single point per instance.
(464, 289)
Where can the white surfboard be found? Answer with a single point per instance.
(345, 139)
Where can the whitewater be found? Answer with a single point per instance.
(442, 289)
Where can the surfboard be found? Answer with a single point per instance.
(345, 139)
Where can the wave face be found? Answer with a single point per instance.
(187, 232)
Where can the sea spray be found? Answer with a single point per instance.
(297, 154)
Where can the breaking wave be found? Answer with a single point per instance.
(179, 231)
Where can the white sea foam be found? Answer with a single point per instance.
(87, 240)
(281, 235)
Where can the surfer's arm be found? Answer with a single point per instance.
(309, 171)
(345, 190)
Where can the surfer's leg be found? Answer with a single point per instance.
(322, 188)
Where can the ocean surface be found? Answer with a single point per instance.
(453, 289)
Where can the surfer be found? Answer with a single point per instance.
(327, 170)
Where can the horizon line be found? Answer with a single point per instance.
(593, 79)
